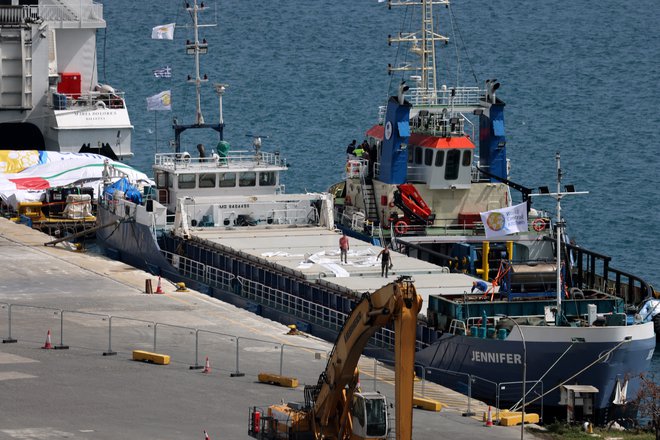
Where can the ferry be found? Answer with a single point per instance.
(221, 222)
(51, 98)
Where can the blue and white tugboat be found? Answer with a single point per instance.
(223, 223)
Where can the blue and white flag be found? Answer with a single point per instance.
(161, 101)
(163, 32)
(164, 72)
(500, 222)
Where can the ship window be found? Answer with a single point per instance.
(227, 180)
(161, 179)
(248, 178)
(428, 157)
(207, 180)
(411, 152)
(267, 178)
(439, 158)
(170, 180)
(467, 158)
(186, 181)
(453, 160)
(418, 155)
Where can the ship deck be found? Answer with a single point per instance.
(313, 253)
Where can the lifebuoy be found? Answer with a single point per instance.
(538, 225)
(401, 227)
(391, 205)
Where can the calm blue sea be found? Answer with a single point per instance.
(579, 78)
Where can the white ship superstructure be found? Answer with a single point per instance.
(50, 95)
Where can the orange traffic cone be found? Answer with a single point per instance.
(48, 345)
(206, 436)
(489, 420)
(159, 288)
(207, 366)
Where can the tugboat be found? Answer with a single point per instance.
(437, 164)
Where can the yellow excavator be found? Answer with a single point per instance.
(334, 409)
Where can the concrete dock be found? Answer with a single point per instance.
(96, 306)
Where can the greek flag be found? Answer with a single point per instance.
(161, 101)
(164, 72)
(163, 32)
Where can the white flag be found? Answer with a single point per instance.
(161, 101)
(499, 222)
(163, 32)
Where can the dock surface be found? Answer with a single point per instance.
(80, 393)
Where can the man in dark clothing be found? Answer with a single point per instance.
(351, 147)
(385, 261)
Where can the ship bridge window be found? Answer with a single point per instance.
(170, 180)
(418, 155)
(467, 158)
(267, 178)
(439, 158)
(207, 180)
(186, 181)
(227, 180)
(453, 161)
(428, 157)
(411, 153)
(248, 178)
(161, 179)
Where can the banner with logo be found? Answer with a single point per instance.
(500, 222)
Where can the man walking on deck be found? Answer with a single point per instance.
(343, 248)
(385, 261)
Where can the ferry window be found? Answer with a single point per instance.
(439, 158)
(428, 157)
(170, 180)
(186, 181)
(418, 155)
(248, 178)
(453, 160)
(467, 158)
(227, 180)
(207, 180)
(267, 178)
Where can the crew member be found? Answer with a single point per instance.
(351, 147)
(480, 286)
(385, 261)
(343, 248)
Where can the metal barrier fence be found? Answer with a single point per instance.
(110, 334)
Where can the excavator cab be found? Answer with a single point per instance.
(369, 416)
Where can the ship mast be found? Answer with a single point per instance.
(198, 48)
(422, 43)
(559, 225)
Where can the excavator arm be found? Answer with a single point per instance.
(396, 302)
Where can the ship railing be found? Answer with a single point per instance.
(270, 297)
(237, 158)
(18, 14)
(85, 100)
(69, 12)
(356, 167)
(415, 173)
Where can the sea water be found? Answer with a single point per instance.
(579, 78)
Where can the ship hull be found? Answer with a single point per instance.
(553, 355)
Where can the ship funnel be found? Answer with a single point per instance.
(403, 88)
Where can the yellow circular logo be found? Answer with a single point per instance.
(495, 221)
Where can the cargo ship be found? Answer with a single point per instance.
(221, 222)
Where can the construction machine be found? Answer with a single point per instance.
(334, 409)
